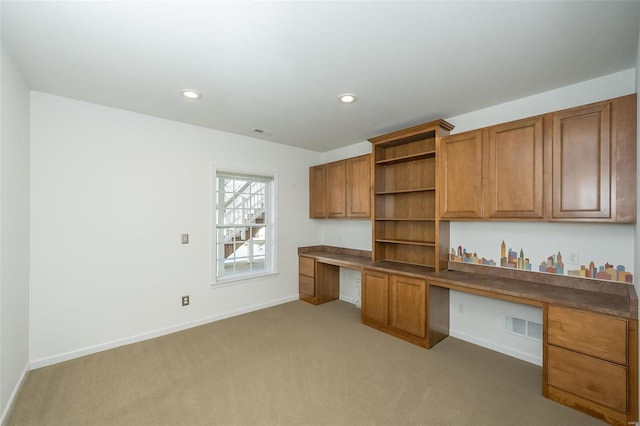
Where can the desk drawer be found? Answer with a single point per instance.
(307, 266)
(596, 380)
(307, 285)
(592, 334)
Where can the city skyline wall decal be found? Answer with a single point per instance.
(553, 264)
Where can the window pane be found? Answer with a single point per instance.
(243, 230)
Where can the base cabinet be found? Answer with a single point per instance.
(407, 305)
(397, 305)
(375, 297)
(590, 363)
(317, 282)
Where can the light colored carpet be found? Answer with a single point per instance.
(293, 364)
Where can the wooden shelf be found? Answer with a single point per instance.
(409, 219)
(406, 158)
(408, 242)
(405, 191)
(406, 228)
(402, 262)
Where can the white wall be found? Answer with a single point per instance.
(111, 193)
(482, 320)
(14, 232)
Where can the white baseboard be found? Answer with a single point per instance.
(16, 389)
(351, 300)
(528, 357)
(43, 362)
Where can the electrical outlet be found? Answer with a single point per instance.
(185, 300)
(184, 238)
(460, 308)
(572, 258)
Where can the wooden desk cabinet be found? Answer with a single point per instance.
(395, 304)
(590, 363)
(590, 327)
(318, 282)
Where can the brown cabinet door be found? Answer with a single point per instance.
(375, 296)
(407, 303)
(336, 188)
(359, 186)
(317, 191)
(581, 177)
(515, 179)
(461, 158)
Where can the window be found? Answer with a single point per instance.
(244, 225)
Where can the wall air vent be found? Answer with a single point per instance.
(523, 327)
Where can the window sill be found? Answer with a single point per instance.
(225, 282)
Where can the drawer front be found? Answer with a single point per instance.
(587, 333)
(307, 266)
(590, 378)
(307, 285)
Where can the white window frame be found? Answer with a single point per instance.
(219, 277)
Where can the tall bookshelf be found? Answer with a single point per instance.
(406, 227)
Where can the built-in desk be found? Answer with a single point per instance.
(590, 327)
(319, 270)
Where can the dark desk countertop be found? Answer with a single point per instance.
(598, 296)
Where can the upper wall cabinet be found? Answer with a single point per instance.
(594, 162)
(462, 174)
(359, 186)
(493, 173)
(317, 192)
(341, 189)
(572, 165)
(515, 175)
(336, 189)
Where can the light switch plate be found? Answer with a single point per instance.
(185, 239)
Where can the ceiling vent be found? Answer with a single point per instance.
(262, 132)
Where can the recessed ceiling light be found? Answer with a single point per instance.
(191, 94)
(347, 98)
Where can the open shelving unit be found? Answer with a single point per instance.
(406, 227)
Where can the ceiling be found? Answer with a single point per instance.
(280, 66)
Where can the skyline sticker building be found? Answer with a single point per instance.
(553, 264)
